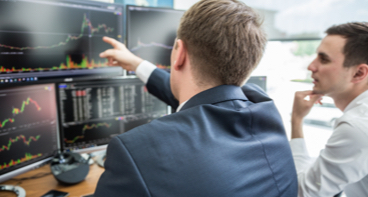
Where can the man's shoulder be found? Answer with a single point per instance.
(355, 119)
(357, 112)
(164, 126)
(356, 115)
(154, 124)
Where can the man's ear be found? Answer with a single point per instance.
(361, 73)
(181, 55)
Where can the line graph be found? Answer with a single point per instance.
(27, 157)
(20, 137)
(17, 111)
(85, 24)
(152, 44)
(87, 127)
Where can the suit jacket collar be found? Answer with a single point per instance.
(215, 95)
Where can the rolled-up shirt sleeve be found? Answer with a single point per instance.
(338, 165)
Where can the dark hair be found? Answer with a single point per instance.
(224, 39)
(356, 46)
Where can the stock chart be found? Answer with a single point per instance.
(95, 111)
(151, 33)
(54, 35)
(28, 127)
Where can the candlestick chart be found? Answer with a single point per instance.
(85, 24)
(23, 145)
(91, 133)
(68, 38)
(20, 110)
(26, 157)
(26, 106)
(28, 125)
(19, 138)
(87, 127)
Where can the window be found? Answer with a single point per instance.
(285, 65)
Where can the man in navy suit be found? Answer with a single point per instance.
(224, 139)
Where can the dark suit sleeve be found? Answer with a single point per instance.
(121, 176)
(159, 85)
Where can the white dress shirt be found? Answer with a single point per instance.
(343, 164)
(144, 71)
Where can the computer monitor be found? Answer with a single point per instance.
(28, 128)
(151, 32)
(261, 81)
(41, 38)
(94, 111)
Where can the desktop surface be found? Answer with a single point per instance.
(39, 186)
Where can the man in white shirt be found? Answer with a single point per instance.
(339, 71)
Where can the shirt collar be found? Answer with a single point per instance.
(357, 101)
(181, 105)
(214, 95)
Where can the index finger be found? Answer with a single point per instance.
(303, 93)
(114, 43)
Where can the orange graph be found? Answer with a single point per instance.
(87, 127)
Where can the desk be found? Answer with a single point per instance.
(37, 187)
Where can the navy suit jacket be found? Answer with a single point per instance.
(225, 141)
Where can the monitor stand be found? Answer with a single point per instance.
(100, 159)
(16, 189)
(86, 156)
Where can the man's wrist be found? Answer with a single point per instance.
(144, 70)
(296, 120)
(136, 63)
(297, 128)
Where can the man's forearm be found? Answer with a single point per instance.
(297, 128)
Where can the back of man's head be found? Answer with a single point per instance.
(224, 40)
(356, 46)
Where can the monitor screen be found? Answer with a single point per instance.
(56, 37)
(151, 33)
(94, 111)
(261, 81)
(28, 128)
